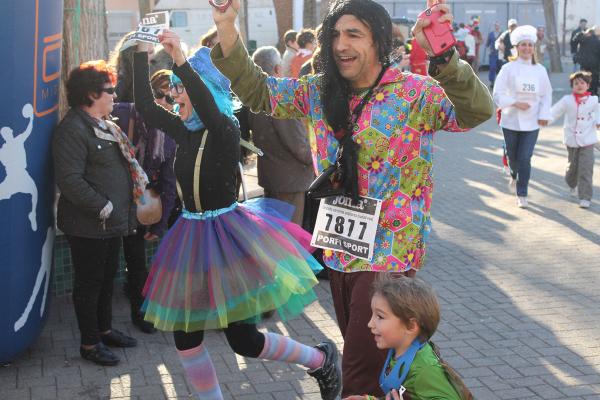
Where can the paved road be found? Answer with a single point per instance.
(519, 294)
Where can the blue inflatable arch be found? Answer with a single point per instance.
(31, 33)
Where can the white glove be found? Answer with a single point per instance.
(106, 211)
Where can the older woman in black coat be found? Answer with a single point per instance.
(99, 182)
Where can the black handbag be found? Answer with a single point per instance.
(341, 178)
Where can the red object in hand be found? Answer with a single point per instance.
(220, 5)
(438, 34)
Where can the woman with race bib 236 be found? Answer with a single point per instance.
(523, 93)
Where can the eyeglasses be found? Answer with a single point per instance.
(158, 94)
(109, 90)
(178, 87)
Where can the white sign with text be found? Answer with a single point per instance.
(347, 226)
(151, 25)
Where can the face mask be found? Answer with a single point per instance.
(193, 123)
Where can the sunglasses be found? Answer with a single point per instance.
(178, 87)
(160, 95)
(109, 90)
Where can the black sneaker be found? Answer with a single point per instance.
(100, 355)
(323, 274)
(117, 338)
(329, 375)
(144, 326)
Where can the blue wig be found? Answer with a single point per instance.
(214, 80)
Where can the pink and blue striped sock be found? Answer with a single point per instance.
(201, 372)
(281, 348)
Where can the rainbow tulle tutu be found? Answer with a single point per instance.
(227, 265)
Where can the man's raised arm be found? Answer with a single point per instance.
(472, 101)
(248, 81)
(226, 29)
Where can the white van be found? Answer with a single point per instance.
(192, 18)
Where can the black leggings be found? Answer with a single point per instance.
(134, 252)
(95, 264)
(243, 338)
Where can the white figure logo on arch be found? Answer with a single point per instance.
(14, 159)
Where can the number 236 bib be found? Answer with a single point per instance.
(527, 84)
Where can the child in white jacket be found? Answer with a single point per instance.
(582, 118)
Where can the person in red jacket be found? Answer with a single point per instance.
(418, 59)
(307, 43)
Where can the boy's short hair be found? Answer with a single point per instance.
(305, 37)
(583, 75)
(290, 36)
(410, 298)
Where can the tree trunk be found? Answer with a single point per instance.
(84, 38)
(309, 18)
(324, 9)
(284, 16)
(553, 49)
(564, 29)
(145, 6)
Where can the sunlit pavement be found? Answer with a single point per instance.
(518, 288)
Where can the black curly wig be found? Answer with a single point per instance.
(336, 90)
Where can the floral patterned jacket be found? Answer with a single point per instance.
(395, 132)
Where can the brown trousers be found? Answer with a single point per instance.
(362, 361)
(296, 199)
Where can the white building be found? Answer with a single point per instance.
(195, 18)
(192, 18)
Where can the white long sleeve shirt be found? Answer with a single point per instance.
(580, 121)
(521, 81)
(286, 60)
(471, 45)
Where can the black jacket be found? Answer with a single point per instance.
(213, 182)
(90, 171)
(507, 45)
(287, 164)
(588, 55)
(574, 41)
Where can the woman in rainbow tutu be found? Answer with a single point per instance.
(223, 264)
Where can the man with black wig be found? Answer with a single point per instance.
(383, 120)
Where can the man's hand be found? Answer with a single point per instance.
(229, 15)
(172, 45)
(542, 122)
(106, 211)
(226, 29)
(521, 105)
(417, 30)
(149, 236)
(393, 395)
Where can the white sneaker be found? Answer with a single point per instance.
(522, 202)
(585, 204)
(512, 185)
(573, 192)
